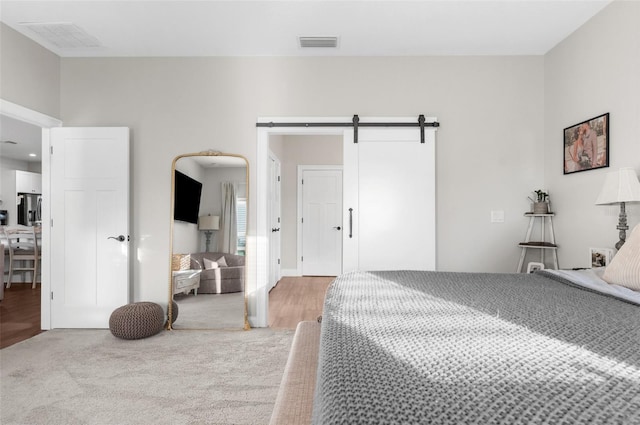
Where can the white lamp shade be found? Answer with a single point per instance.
(208, 222)
(620, 186)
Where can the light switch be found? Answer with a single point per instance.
(497, 216)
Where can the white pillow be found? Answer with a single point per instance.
(208, 264)
(624, 269)
(222, 262)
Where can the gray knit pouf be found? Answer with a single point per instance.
(136, 320)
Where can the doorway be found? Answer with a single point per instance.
(343, 127)
(259, 297)
(45, 122)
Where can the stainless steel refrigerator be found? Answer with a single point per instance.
(29, 209)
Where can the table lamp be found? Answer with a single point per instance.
(620, 187)
(208, 223)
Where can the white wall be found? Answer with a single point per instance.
(29, 73)
(276, 145)
(301, 150)
(29, 77)
(595, 70)
(488, 149)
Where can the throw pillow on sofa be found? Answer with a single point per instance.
(208, 264)
(222, 262)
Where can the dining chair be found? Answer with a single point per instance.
(5, 252)
(23, 247)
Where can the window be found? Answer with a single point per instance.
(241, 220)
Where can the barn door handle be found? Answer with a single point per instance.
(120, 238)
(338, 228)
(350, 222)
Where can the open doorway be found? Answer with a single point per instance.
(39, 123)
(20, 190)
(296, 297)
(288, 231)
(311, 146)
(296, 152)
(367, 193)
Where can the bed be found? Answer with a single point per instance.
(419, 347)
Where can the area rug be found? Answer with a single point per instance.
(175, 377)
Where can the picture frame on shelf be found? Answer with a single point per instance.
(586, 145)
(600, 257)
(534, 267)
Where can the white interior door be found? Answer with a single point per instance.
(89, 213)
(274, 220)
(389, 210)
(321, 222)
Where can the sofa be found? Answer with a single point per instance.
(220, 279)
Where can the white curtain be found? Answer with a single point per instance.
(229, 221)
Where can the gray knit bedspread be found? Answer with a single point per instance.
(412, 347)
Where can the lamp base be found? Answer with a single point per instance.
(622, 226)
(207, 242)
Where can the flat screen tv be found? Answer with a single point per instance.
(186, 198)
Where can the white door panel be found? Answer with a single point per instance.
(274, 220)
(90, 208)
(322, 222)
(390, 187)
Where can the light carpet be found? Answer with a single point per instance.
(175, 377)
(210, 311)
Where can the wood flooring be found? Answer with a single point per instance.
(19, 314)
(294, 299)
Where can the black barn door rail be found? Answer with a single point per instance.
(355, 123)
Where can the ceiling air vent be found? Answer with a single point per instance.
(331, 42)
(64, 35)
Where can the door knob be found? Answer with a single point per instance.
(120, 238)
(338, 228)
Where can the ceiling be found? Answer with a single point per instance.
(19, 140)
(272, 28)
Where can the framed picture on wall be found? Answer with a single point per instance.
(600, 257)
(586, 145)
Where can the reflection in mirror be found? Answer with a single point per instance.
(208, 239)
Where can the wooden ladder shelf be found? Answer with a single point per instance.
(541, 245)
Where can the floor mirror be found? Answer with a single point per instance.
(209, 196)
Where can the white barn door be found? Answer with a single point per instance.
(389, 200)
(90, 225)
